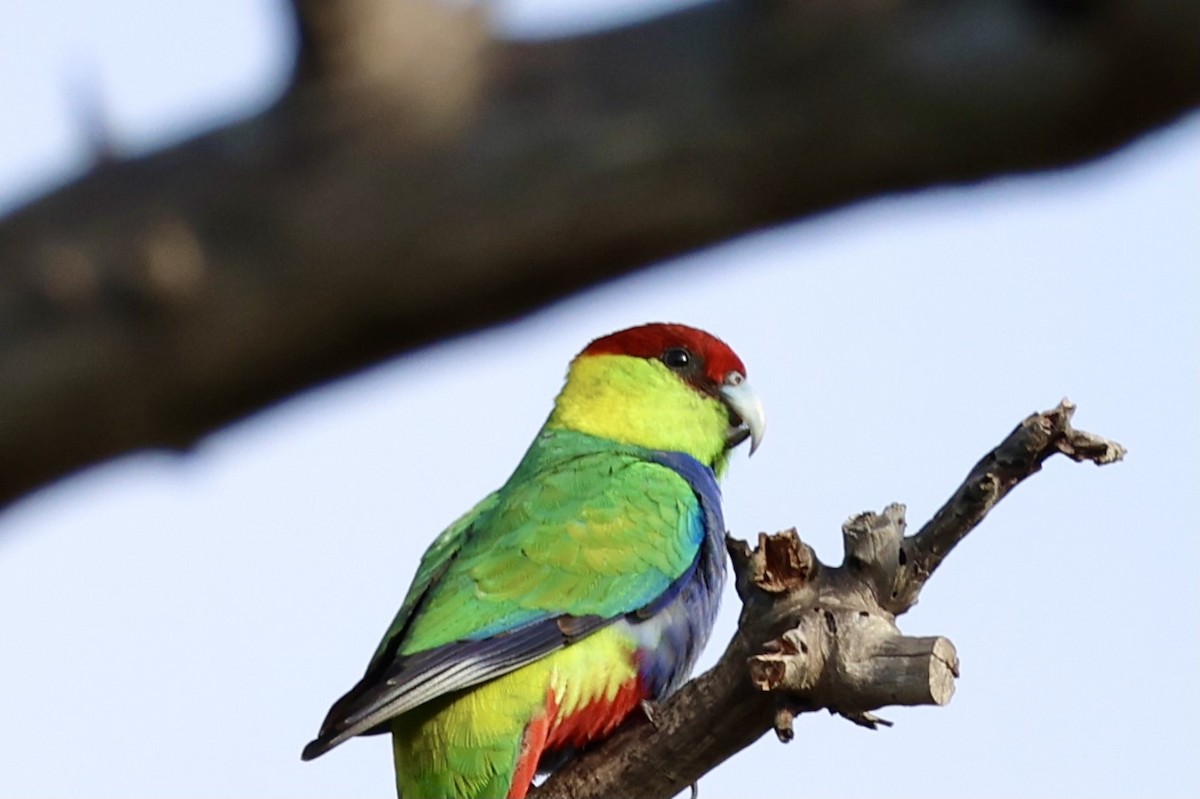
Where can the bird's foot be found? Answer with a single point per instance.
(649, 709)
(864, 719)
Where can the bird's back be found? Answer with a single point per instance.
(587, 529)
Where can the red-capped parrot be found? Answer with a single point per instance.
(586, 585)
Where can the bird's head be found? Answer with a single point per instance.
(662, 386)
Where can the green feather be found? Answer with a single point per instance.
(549, 543)
(433, 565)
(588, 527)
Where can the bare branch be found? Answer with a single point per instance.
(381, 206)
(1017, 457)
(815, 637)
(864, 660)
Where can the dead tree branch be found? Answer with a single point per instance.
(420, 180)
(816, 637)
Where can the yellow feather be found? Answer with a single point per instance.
(641, 402)
(472, 735)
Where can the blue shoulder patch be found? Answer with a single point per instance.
(709, 565)
(687, 610)
(703, 482)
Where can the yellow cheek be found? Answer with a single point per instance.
(640, 402)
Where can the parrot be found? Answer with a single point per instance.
(579, 592)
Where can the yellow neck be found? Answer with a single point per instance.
(641, 402)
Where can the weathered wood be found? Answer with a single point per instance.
(856, 660)
(419, 181)
(814, 637)
(1020, 455)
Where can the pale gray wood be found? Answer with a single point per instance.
(815, 637)
(856, 661)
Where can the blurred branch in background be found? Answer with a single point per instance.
(421, 179)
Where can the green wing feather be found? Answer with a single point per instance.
(584, 532)
(434, 564)
(600, 533)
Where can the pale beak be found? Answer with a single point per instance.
(750, 421)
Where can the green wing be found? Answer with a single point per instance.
(584, 532)
(600, 536)
(434, 564)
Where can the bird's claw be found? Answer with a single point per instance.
(649, 709)
(865, 719)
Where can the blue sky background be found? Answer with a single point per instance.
(177, 626)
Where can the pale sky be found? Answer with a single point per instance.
(178, 626)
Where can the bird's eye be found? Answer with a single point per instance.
(677, 358)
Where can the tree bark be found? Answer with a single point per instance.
(421, 180)
(815, 637)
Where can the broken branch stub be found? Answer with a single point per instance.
(814, 637)
(851, 661)
(875, 665)
(779, 564)
(843, 651)
(875, 553)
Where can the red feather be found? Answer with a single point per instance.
(596, 719)
(652, 340)
(550, 731)
(532, 746)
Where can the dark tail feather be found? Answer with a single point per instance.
(315, 749)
